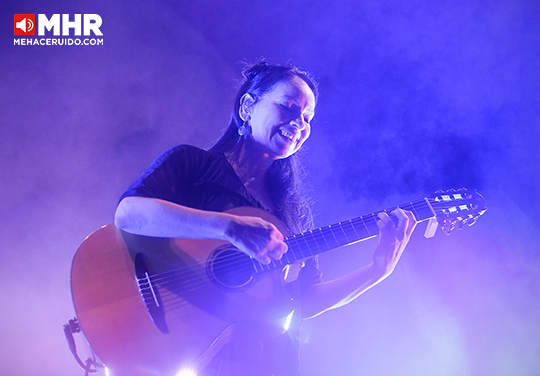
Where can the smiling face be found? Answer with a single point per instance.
(280, 119)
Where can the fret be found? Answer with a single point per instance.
(348, 230)
(357, 236)
(365, 225)
(315, 235)
(427, 209)
(295, 247)
(320, 240)
(304, 249)
(411, 207)
(417, 209)
(360, 228)
(330, 237)
(407, 206)
(310, 243)
(339, 234)
(321, 235)
(290, 256)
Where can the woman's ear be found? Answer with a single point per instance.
(246, 102)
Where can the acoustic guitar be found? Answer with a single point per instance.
(155, 306)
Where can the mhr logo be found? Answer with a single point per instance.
(25, 24)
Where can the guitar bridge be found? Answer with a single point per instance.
(149, 294)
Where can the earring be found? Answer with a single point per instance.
(244, 129)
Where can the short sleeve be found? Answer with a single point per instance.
(189, 176)
(170, 176)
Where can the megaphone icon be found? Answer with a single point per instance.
(24, 23)
(21, 25)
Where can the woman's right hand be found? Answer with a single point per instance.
(153, 217)
(256, 237)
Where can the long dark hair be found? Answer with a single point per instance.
(285, 177)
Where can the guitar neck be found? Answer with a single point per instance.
(314, 242)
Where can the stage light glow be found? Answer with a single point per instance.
(288, 321)
(186, 372)
(107, 372)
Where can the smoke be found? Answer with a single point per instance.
(416, 97)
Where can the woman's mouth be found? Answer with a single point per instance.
(292, 137)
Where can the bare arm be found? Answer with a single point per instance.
(324, 296)
(159, 218)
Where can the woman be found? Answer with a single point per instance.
(185, 192)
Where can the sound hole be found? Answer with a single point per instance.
(231, 268)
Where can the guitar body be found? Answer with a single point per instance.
(185, 315)
(154, 306)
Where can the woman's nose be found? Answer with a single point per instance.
(299, 123)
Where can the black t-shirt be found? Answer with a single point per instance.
(193, 177)
(189, 176)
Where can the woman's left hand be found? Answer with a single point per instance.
(393, 239)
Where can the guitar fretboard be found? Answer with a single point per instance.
(314, 242)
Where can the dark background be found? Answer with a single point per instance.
(416, 96)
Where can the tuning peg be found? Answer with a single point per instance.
(448, 226)
(472, 220)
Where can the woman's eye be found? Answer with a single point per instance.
(291, 109)
(294, 111)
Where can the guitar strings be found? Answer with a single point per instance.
(314, 235)
(310, 238)
(239, 257)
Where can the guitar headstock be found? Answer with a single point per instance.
(457, 208)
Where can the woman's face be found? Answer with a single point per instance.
(280, 120)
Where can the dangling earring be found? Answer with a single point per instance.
(244, 129)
